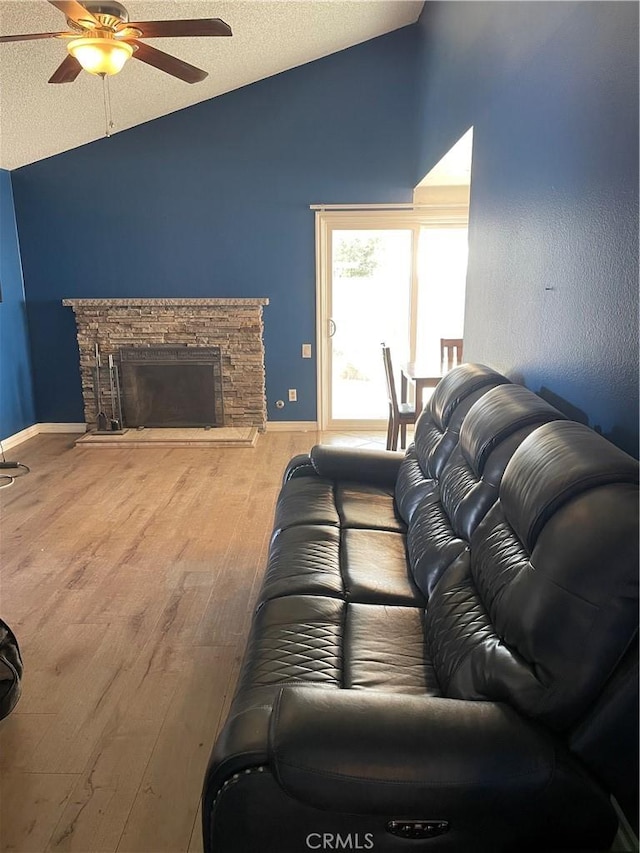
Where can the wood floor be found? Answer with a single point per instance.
(129, 578)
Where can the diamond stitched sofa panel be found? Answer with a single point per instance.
(444, 652)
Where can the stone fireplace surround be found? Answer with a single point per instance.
(235, 325)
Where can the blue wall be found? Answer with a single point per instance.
(214, 201)
(16, 394)
(552, 92)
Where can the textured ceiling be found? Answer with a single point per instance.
(38, 119)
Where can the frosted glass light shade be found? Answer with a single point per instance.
(100, 56)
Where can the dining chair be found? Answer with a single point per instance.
(401, 415)
(450, 353)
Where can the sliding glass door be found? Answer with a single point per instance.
(382, 277)
(369, 303)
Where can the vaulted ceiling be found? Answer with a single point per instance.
(39, 119)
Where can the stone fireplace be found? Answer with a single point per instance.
(172, 330)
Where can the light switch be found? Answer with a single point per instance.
(306, 350)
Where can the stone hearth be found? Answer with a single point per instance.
(234, 325)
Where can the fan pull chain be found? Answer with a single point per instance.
(106, 97)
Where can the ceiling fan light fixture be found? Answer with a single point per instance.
(100, 55)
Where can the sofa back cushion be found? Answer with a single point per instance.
(447, 515)
(490, 434)
(543, 606)
(437, 431)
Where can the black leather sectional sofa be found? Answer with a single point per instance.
(444, 654)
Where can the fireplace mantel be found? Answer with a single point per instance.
(88, 304)
(235, 325)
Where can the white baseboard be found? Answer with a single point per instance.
(37, 429)
(19, 437)
(292, 426)
(63, 427)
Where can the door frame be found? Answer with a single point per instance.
(326, 221)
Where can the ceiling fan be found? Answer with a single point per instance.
(103, 39)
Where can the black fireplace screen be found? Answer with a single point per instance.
(171, 386)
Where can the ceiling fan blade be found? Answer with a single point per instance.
(67, 71)
(170, 64)
(75, 11)
(170, 29)
(31, 36)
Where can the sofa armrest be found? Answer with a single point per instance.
(300, 466)
(381, 753)
(374, 467)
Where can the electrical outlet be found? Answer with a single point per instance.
(293, 395)
(306, 350)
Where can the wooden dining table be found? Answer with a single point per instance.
(423, 374)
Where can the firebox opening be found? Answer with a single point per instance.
(172, 386)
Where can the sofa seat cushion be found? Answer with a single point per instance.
(375, 568)
(352, 564)
(306, 500)
(315, 640)
(367, 507)
(314, 500)
(385, 651)
(304, 560)
(296, 639)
